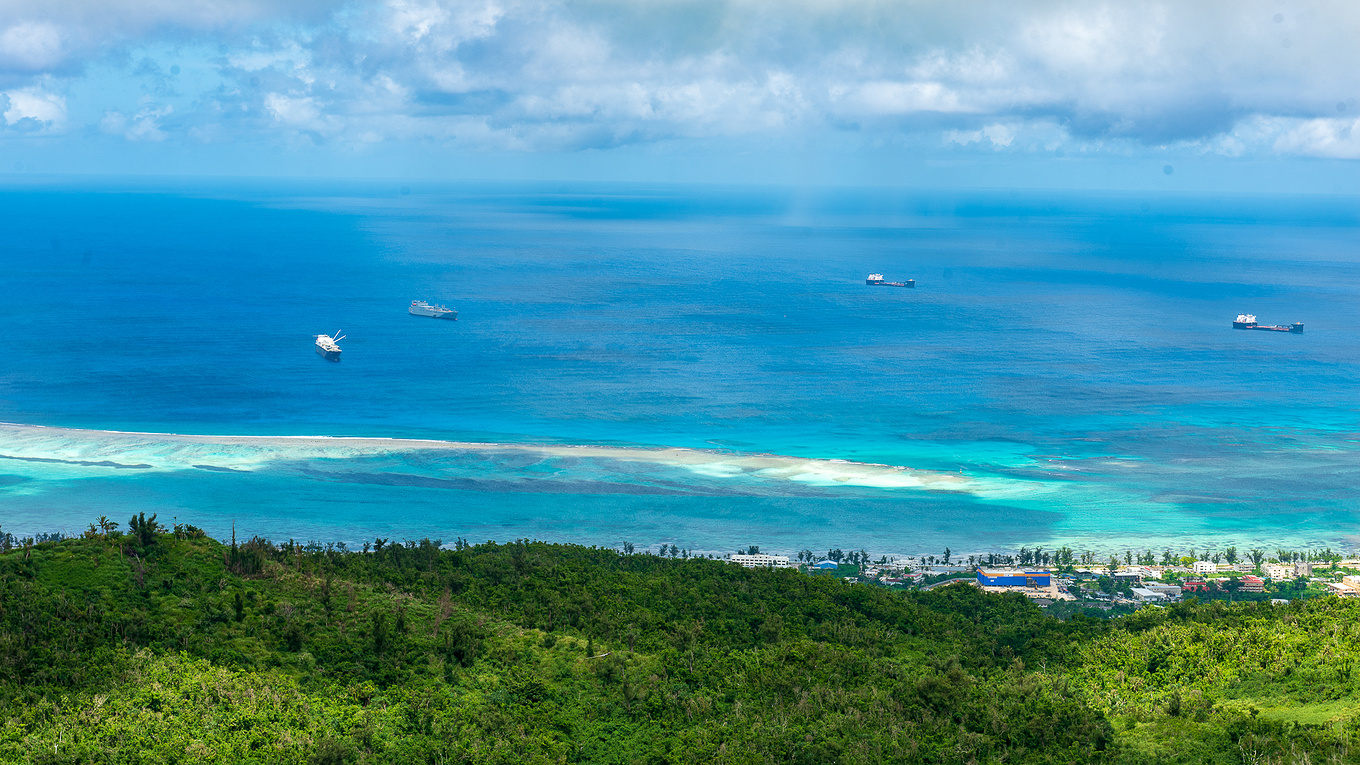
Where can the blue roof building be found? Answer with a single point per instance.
(826, 564)
(1010, 577)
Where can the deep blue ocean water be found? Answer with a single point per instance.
(1068, 359)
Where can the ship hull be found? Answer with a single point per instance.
(1295, 328)
(450, 315)
(910, 283)
(328, 355)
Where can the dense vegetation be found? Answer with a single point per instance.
(155, 646)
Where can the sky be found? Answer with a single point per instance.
(1241, 95)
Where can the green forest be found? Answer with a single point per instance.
(154, 645)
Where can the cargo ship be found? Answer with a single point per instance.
(877, 280)
(328, 347)
(1248, 321)
(421, 308)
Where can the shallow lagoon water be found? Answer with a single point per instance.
(1064, 372)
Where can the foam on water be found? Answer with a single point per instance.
(65, 453)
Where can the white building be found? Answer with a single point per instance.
(1148, 596)
(1205, 567)
(1343, 589)
(1171, 591)
(761, 560)
(1279, 570)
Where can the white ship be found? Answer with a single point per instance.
(877, 280)
(421, 308)
(328, 347)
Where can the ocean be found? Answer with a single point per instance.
(688, 366)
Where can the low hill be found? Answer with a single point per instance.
(172, 647)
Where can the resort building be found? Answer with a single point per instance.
(1205, 567)
(1252, 584)
(1279, 570)
(761, 560)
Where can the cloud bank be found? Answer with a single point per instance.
(547, 75)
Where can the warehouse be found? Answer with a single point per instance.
(1011, 577)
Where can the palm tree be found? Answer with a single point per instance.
(1257, 555)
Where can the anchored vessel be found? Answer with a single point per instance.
(877, 280)
(328, 347)
(1248, 321)
(421, 308)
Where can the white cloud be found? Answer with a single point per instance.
(878, 98)
(30, 46)
(33, 109)
(1331, 138)
(553, 74)
(297, 112)
(145, 125)
(998, 135)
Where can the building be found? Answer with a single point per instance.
(829, 565)
(1171, 591)
(1148, 596)
(1205, 567)
(1195, 585)
(1343, 589)
(1252, 584)
(1279, 570)
(1011, 577)
(761, 560)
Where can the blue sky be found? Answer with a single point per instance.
(1243, 95)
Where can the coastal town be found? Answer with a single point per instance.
(1118, 584)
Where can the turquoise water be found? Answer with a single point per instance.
(1064, 373)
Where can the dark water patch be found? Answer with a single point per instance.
(1194, 499)
(512, 486)
(10, 480)
(85, 463)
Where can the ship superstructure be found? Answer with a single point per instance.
(877, 280)
(422, 308)
(328, 347)
(1248, 321)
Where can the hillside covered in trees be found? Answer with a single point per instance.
(167, 646)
